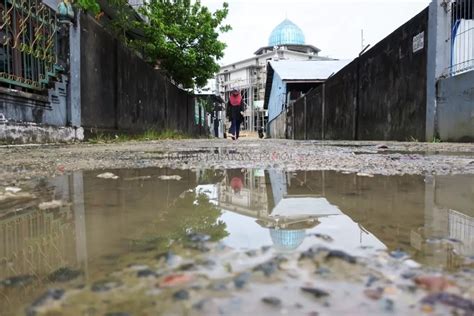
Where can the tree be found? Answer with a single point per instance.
(181, 36)
(191, 213)
(184, 38)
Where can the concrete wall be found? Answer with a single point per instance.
(455, 112)
(379, 96)
(49, 108)
(121, 92)
(340, 103)
(34, 118)
(392, 85)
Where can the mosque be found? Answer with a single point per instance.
(286, 42)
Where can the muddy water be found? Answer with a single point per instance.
(96, 226)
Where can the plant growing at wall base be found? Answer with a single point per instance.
(183, 37)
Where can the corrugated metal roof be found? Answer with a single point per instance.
(307, 69)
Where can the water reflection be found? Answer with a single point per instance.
(100, 221)
(287, 209)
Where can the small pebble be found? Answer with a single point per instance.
(17, 281)
(104, 286)
(196, 237)
(341, 255)
(107, 175)
(181, 295)
(372, 279)
(145, 273)
(64, 275)
(398, 254)
(389, 305)
(374, 294)
(251, 253)
(51, 294)
(271, 300)
(316, 292)
(242, 279)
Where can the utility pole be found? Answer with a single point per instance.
(362, 39)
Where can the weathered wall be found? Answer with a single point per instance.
(32, 118)
(340, 103)
(392, 85)
(277, 127)
(314, 114)
(24, 107)
(379, 96)
(27, 133)
(299, 119)
(455, 111)
(121, 92)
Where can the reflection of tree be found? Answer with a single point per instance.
(208, 176)
(189, 214)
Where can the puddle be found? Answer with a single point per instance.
(457, 154)
(95, 224)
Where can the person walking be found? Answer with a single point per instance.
(235, 113)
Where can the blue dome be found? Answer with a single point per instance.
(287, 240)
(287, 33)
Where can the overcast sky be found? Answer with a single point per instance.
(334, 26)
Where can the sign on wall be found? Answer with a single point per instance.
(419, 42)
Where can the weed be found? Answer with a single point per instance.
(148, 135)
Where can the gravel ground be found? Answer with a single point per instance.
(390, 158)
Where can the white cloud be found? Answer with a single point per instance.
(334, 26)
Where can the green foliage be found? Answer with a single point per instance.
(183, 37)
(206, 103)
(91, 6)
(190, 213)
(124, 20)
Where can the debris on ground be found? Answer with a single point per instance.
(107, 175)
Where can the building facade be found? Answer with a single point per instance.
(286, 42)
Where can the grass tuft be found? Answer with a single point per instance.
(148, 135)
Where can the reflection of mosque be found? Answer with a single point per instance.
(397, 211)
(264, 195)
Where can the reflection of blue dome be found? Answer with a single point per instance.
(287, 33)
(287, 239)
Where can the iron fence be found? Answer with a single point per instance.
(28, 44)
(461, 36)
(461, 227)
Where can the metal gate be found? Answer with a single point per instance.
(28, 44)
(461, 36)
